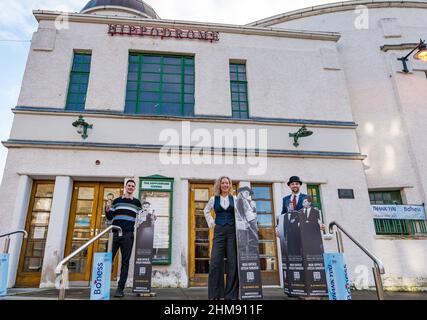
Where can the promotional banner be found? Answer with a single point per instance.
(302, 252)
(337, 277)
(292, 256)
(144, 250)
(4, 269)
(405, 212)
(101, 276)
(247, 245)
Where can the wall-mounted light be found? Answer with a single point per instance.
(420, 55)
(82, 127)
(302, 132)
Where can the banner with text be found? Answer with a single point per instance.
(383, 211)
(4, 269)
(101, 276)
(337, 277)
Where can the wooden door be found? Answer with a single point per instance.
(37, 224)
(87, 219)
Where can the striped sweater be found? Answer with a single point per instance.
(124, 212)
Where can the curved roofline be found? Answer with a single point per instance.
(335, 7)
(118, 8)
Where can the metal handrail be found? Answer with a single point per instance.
(8, 234)
(378, 265)
(62, 269)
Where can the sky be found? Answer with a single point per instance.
(17, 24)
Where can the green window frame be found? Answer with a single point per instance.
(78, 84)
(313, 190)
(239, 91)
(160, 85)
(395, 226)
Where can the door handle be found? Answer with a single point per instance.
(96, 232)
(91, 232)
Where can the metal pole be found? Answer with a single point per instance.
(378, 282)
(63, 283)
(110, 243)
(340, 242)
(6, 245)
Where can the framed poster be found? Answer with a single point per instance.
(158, 192)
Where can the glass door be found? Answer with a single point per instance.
(200, 236)
(87, 219)
(32, 251)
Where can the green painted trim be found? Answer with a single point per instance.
(171, 180)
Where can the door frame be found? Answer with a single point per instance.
(191, 234)
(95, 223)
(30, 279)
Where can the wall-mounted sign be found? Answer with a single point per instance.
(158, 192)
(398, 212)
(161, 32)
(345, 194)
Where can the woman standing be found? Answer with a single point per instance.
(224, 242)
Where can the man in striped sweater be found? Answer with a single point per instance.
(123, 211)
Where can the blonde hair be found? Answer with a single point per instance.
(217, 185)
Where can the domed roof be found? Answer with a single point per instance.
(134, 5)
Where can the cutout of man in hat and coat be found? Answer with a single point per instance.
(246, 221)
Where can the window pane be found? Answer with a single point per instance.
(189, 79)
(171, 60)
(150, 77)
(132, 86)
(171, 97)
(151, 59)
(261, 192)
(133, 67)
(132, 76)
(175, 78)
(171, 87)
(150, 86)
(151, 68)
(188, 88)
(265, 220)
(149, 96)
(189, 70)
(171, 109)
(172, 69)
(150, 107)
(131, 96)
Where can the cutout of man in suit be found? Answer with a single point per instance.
(310, 225)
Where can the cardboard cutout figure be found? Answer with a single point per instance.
(247, 245)
(144, 249)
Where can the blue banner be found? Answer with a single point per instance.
(4, 268)
(337, 277)
(101, 276)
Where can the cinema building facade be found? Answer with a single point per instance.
(115, 92)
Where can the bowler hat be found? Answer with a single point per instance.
(245, 188)
(294, 179)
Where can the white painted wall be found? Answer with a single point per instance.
(282, 72)
(389, 108)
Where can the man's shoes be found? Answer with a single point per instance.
(119, 293)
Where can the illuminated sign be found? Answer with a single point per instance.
(146, 31)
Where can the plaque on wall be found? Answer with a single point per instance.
(345, 193)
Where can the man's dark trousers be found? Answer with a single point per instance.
(125, 243)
